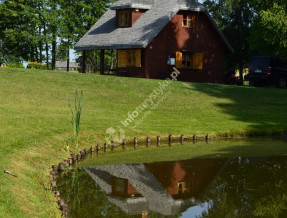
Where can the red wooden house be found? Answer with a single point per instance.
(167, 188)
(153, 36)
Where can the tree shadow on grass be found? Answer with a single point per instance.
(255, 147)
(265, 109)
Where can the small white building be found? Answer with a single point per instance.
(62, 65)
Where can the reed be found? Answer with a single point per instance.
(76, 114)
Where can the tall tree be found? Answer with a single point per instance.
(269, 32)
(52, 27)
(21, 29)
(1, 53)
(31, 30)
(234, 18)
(89, 12)
(77, 17)
(69, 21)
(14, 31)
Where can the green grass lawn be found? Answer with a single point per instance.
(36, 123)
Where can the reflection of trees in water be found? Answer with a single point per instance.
(250, 187)
(245, 188)
(84, 198)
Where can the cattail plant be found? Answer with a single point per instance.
(76, 114)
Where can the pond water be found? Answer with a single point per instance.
(213, 187)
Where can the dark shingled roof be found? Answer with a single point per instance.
(105, 35)
(154, 196)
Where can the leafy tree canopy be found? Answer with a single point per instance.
(268, 34)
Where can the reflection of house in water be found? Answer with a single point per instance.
(168, 188)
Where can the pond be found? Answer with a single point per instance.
(202, 187)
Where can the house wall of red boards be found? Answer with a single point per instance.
(201, 39)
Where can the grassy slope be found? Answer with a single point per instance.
(35, 122)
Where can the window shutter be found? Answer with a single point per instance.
(138, 58)
(197, 61)
(122, 58)
(178, 60)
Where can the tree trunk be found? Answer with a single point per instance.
(241, 66)
(241, 43)
(32, 54)
(54, 44)
(68, 55)
(40, 44)
(112, 61)
(46, 47)
(102, 62)
(84, 62)
(96, 62)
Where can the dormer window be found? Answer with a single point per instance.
(124, 19)
(188, 20)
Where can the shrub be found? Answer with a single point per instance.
(15, 65)
(36, 65)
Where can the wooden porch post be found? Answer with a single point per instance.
(84, 62)
(102, 62)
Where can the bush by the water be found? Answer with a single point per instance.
(36, 65)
